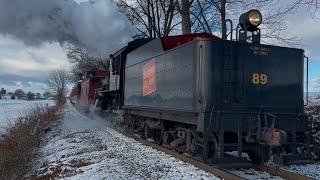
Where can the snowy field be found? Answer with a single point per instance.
(10, 110)
(84, 148)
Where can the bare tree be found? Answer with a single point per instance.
(57, 83)
(184, 10)
(210, 15)
(155, 18)
(204, 17)
(19, 93)
(46, 95)
(82, 62)
(152, 18)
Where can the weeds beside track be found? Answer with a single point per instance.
(19, 142)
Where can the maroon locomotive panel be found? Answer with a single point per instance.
(93, 81)
(74, 95)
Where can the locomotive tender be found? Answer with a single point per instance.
(206, 96)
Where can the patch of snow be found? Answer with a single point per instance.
(311, 170)
(254, 174)
(80, 147)
(250, 173)
(11, 110)
(235, 154)
(85, 148)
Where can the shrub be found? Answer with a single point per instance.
(18, 143)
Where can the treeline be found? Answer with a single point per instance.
(20, 94)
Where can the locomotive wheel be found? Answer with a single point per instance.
(127, 122)
(213, 146)
(168, 137)
(259, 154)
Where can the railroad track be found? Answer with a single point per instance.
(217, 171)
(223, 173)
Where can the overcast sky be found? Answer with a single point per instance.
(308, 30)
(30, 32)
(26, 67)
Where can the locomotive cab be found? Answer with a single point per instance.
(113, 92)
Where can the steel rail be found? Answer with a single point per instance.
(219, 172)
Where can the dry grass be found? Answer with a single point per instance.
(77, 163)
(20, 141)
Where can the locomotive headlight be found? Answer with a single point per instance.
(251, 19)
(255, 17)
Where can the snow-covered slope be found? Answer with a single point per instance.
(80, 147)
(85, 148)
(10, 110)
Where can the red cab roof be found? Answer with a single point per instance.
(174, 41)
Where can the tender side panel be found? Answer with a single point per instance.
(174, 81)
(144, 52)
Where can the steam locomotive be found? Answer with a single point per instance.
(205, 96)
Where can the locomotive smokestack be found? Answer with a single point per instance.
(96, 25)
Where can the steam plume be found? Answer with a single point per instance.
(95, 25)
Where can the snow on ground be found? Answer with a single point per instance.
(10, 110)
(85, 148)
(250, 173)
(254, 174)
(311, 170)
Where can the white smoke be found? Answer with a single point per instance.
(98, 25)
